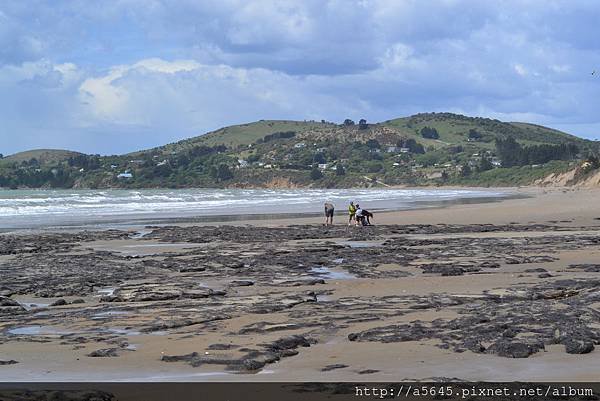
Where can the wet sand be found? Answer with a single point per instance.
(492, 291)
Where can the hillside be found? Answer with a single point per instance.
(43, 156)
(242, 134)
(424, 149)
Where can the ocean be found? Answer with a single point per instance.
(98, 208)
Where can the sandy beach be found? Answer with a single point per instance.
(490, 291)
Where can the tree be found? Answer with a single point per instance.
(474, 135)
(223, 172)
(466, 170)
(373, 144)
(430, 133)
(362, 124)
(485, 164)
(253, 158)
(348, 122)
(414, 146)
(340, 170)
(315, 174)
(319, 158)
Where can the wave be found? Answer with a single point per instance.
(88, 204)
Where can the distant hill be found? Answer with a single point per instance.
(454, 128)
(43, 156)
(242, 134)
(423, 149)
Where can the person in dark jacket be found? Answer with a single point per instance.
(329, 210)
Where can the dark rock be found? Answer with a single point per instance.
(578, 346)
(236, 265)
(192, 269)
(104, 353)
(5, 301)
(536, 270)
(59, 302)
(298, 283)
(77, 301)
(179, 358)
(514, 349)
(367, 371)
(222, 347)
(289, 342)
(241, 283)
(9, 362)
(333, 367)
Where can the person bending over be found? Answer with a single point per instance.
(329, 209)
(367, 216)
(359, 216)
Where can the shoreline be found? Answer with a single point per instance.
(469, 291)
(141, 220)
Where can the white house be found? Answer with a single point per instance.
(404, 150)
(322, 166)
(126, 174)
(392, 149)
(242, 163)
(300, 145)
(162, 163)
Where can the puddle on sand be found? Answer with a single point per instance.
(140, 234)
(109, 314)
(33, 305)
(325, 272)
(36, 331)
(124, 332)
(361, 244)
(106, 291)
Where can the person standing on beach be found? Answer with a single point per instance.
(351, 212)
(329, 209)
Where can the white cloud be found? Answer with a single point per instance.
(79, 72)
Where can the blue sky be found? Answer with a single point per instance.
(116, 76)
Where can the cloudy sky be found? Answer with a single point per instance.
(116, 76)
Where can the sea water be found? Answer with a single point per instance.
(43, 208)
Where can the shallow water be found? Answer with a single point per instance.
(327, 273)
(36, 331)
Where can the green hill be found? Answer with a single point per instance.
(453, 129)
(423, 149)
(242, 134)
(43, 156)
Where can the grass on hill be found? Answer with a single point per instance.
(44, 156)
(242, 134)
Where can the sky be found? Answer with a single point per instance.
(121, 75)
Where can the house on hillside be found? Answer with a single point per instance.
(404, 150)
(300, 145)
(392, 149)
(242, 163)
(322, 166)
(126, 174)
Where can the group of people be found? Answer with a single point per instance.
(356, 215)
